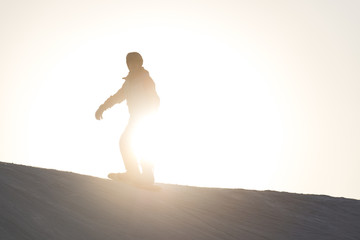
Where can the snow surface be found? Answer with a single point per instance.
(39, 203)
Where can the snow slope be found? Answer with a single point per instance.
(39, 203)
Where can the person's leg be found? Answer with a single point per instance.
(147, 172)
(148, 141)
(129, 158)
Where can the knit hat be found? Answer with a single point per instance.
(134, 58)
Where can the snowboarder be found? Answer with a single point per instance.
(142, 99)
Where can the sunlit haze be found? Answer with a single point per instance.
(254, 94)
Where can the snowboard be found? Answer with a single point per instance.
(138, 184)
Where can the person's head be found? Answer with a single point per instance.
(134, 61)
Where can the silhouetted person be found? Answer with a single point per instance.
(139, 92)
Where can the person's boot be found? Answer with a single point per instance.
(147, 176)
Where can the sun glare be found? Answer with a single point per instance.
(146, 139)
(208, 132)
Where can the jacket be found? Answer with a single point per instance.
(139, 92)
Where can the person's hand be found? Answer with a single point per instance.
(99, 113)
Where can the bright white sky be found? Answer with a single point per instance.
(254, 94)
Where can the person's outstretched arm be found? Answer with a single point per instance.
(118, 97)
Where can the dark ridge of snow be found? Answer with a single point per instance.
(39, 203)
